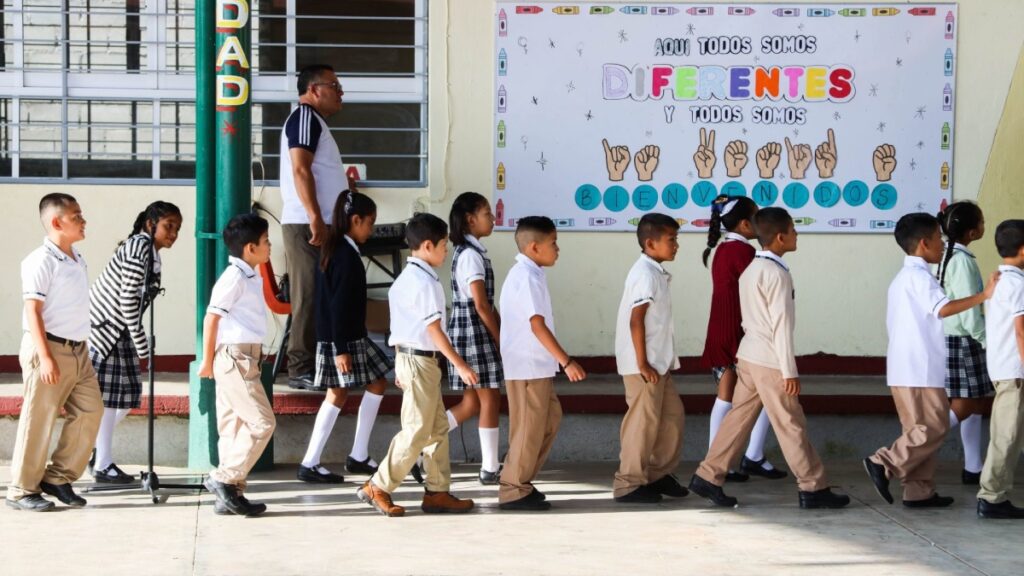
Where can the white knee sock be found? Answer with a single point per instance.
(105, 439)
(452, 422)
(970, 434)
(755, 450)
(953, 420)
(364, 426)
(718, 412)
(489, 449)
(325, 419)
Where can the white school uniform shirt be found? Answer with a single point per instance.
(916, 357)
(647, 283)
(523, 296)
(237, 298)
(61, 283)
(416, 300)
(1006, 304)
(470, 267)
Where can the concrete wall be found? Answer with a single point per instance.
(841, 279)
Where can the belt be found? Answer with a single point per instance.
(415, 352)
(65, 341)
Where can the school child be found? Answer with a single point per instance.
(1004, 324)
(117, 341)
(55, 364)
(767, 374)
(473, 326)
(967, 379)
(416, 301)
(345, 357)
(233, 332)
(732, 256)
(531, 356)
(651, 436)
(916, 365)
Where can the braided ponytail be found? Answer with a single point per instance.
(956, 221)
(715, 226)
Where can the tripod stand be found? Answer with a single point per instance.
(150, 482)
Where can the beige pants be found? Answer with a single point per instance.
(78, 392)
(924, 416)
(245, 420)
(534, 414)
(651, 436)
(1005, 441)
(759, 386)
(424, 428)
(302, 258)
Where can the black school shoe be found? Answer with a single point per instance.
(228, 496)
(313, 475)
(488, 478)
(876, 472)
(1004, 510)
(532, 502)
(756, 468)
(705, 489)
(970, 478)
(668, 485)
(823, 498)
(31, 503)
(417, 473)
(255, 508)
(353, 466)
(642, 495)
(64, 493)
(113, 475)
(733, 476)
(935, 501)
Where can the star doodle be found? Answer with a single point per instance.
(535, 100)
(690, 29)
(543, 161)
(230, 129)
(570, 87)
(744, 130)
(836, 116)
(689, 174)
(908, 37)
(874, 90)
(589, 115)
(913, 164)
(856, 36)
(796, 131)
(899, 62)
(800, 26)
(623, 37)
(551, 43)
(920, 112)
(881, 126)
(920, 144)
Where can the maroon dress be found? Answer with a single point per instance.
(725, 327)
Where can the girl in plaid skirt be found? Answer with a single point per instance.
(117, 339)
(967, 380)
(473, 326)
(345, 357)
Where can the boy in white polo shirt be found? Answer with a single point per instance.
(233, 332)
(651, 436)
(416, 300)
(1004, 325)
(55, 364)
(916, 365)
(531, 356)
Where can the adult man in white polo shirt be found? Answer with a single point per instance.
(312, 177)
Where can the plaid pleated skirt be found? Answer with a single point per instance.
(369, 364)
(473, 342)
(119, 375)
(966, 370)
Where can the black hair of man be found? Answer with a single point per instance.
(243, 230)
(309, 76)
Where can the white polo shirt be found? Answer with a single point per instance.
(523, 296)
(647, 283)
(306, 129)
(470, 266)
(1001, 311)
(62, 284)
(416, 300)
(237, 298)
(917, 345)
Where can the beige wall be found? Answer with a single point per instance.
(841, 279)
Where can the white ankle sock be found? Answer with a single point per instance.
(718, 412)
(953, 420)
(105, 439)
(325, 419)
(970, 435)
(364, 425)
(755, 450)
(452, 422)
(489, 449)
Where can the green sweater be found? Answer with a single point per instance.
(963, 279)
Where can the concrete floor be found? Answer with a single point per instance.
(310, 530)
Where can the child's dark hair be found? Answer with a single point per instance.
(652, 226)
(349, 204)
(458, 219)
(309, 75)
(743, 209)
(147, 220)
(57, 200)
(770, 222)
(533, 229)
(242, 230)
(956, 221)
(912, 228)
(1009, 238)
(424, 226)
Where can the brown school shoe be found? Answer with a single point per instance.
(444, 502)
(379, 499)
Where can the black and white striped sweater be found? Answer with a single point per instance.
(115, 299)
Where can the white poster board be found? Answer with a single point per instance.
(842, 114)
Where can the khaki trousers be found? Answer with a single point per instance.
(302, 261)
(651, 436)
(534, 414)
(1005, 439)
(245, 419)
(759, 386)
(78, 392)
(924, 416)
(424, 428)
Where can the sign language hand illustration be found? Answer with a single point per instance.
(884, 160)
(735, 158)
(799, 157)
(646, 162)
(704, 159)
(616, 159)
(825, 156)
(768, 157)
